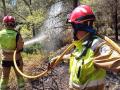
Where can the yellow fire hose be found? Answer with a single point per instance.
(24, 75)
(112, 44)
(54, 63)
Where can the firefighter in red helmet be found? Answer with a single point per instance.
(10, 40)
(85, 74)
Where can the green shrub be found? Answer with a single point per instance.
(35, 48)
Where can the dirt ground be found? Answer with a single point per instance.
(57, 79)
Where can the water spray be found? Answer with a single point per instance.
(36, 40)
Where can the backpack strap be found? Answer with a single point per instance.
(17, 37)
(87, 46)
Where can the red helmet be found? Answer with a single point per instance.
(8, 19)
(81, 13)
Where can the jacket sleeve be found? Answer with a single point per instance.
(108, 58)
(19, 43)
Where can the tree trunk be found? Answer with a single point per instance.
(33, 30)
(4, 7)
(116, 20)
(75, 3)
(30, 2)
(28, 6)
(30, 9)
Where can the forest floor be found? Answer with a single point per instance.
(58, 79)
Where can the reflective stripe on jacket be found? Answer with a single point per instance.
(82, 70)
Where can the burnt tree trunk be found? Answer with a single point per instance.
(116, 20)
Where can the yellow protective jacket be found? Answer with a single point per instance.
(82, 70)
(9, 41)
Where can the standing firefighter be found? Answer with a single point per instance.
(10, 40)
(91, 55)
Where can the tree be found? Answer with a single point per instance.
(4, 7)
(29, 6)
(108, 12)
(116, 20)
(30, 2)
(75, 3)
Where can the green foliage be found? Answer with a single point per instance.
(35, 48)
(36, 17)
(88, 2)
(26, 32)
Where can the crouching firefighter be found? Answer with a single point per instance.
(10, 40)
(92, 56)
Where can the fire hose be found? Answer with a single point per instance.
(54, 63)
(112, 43)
